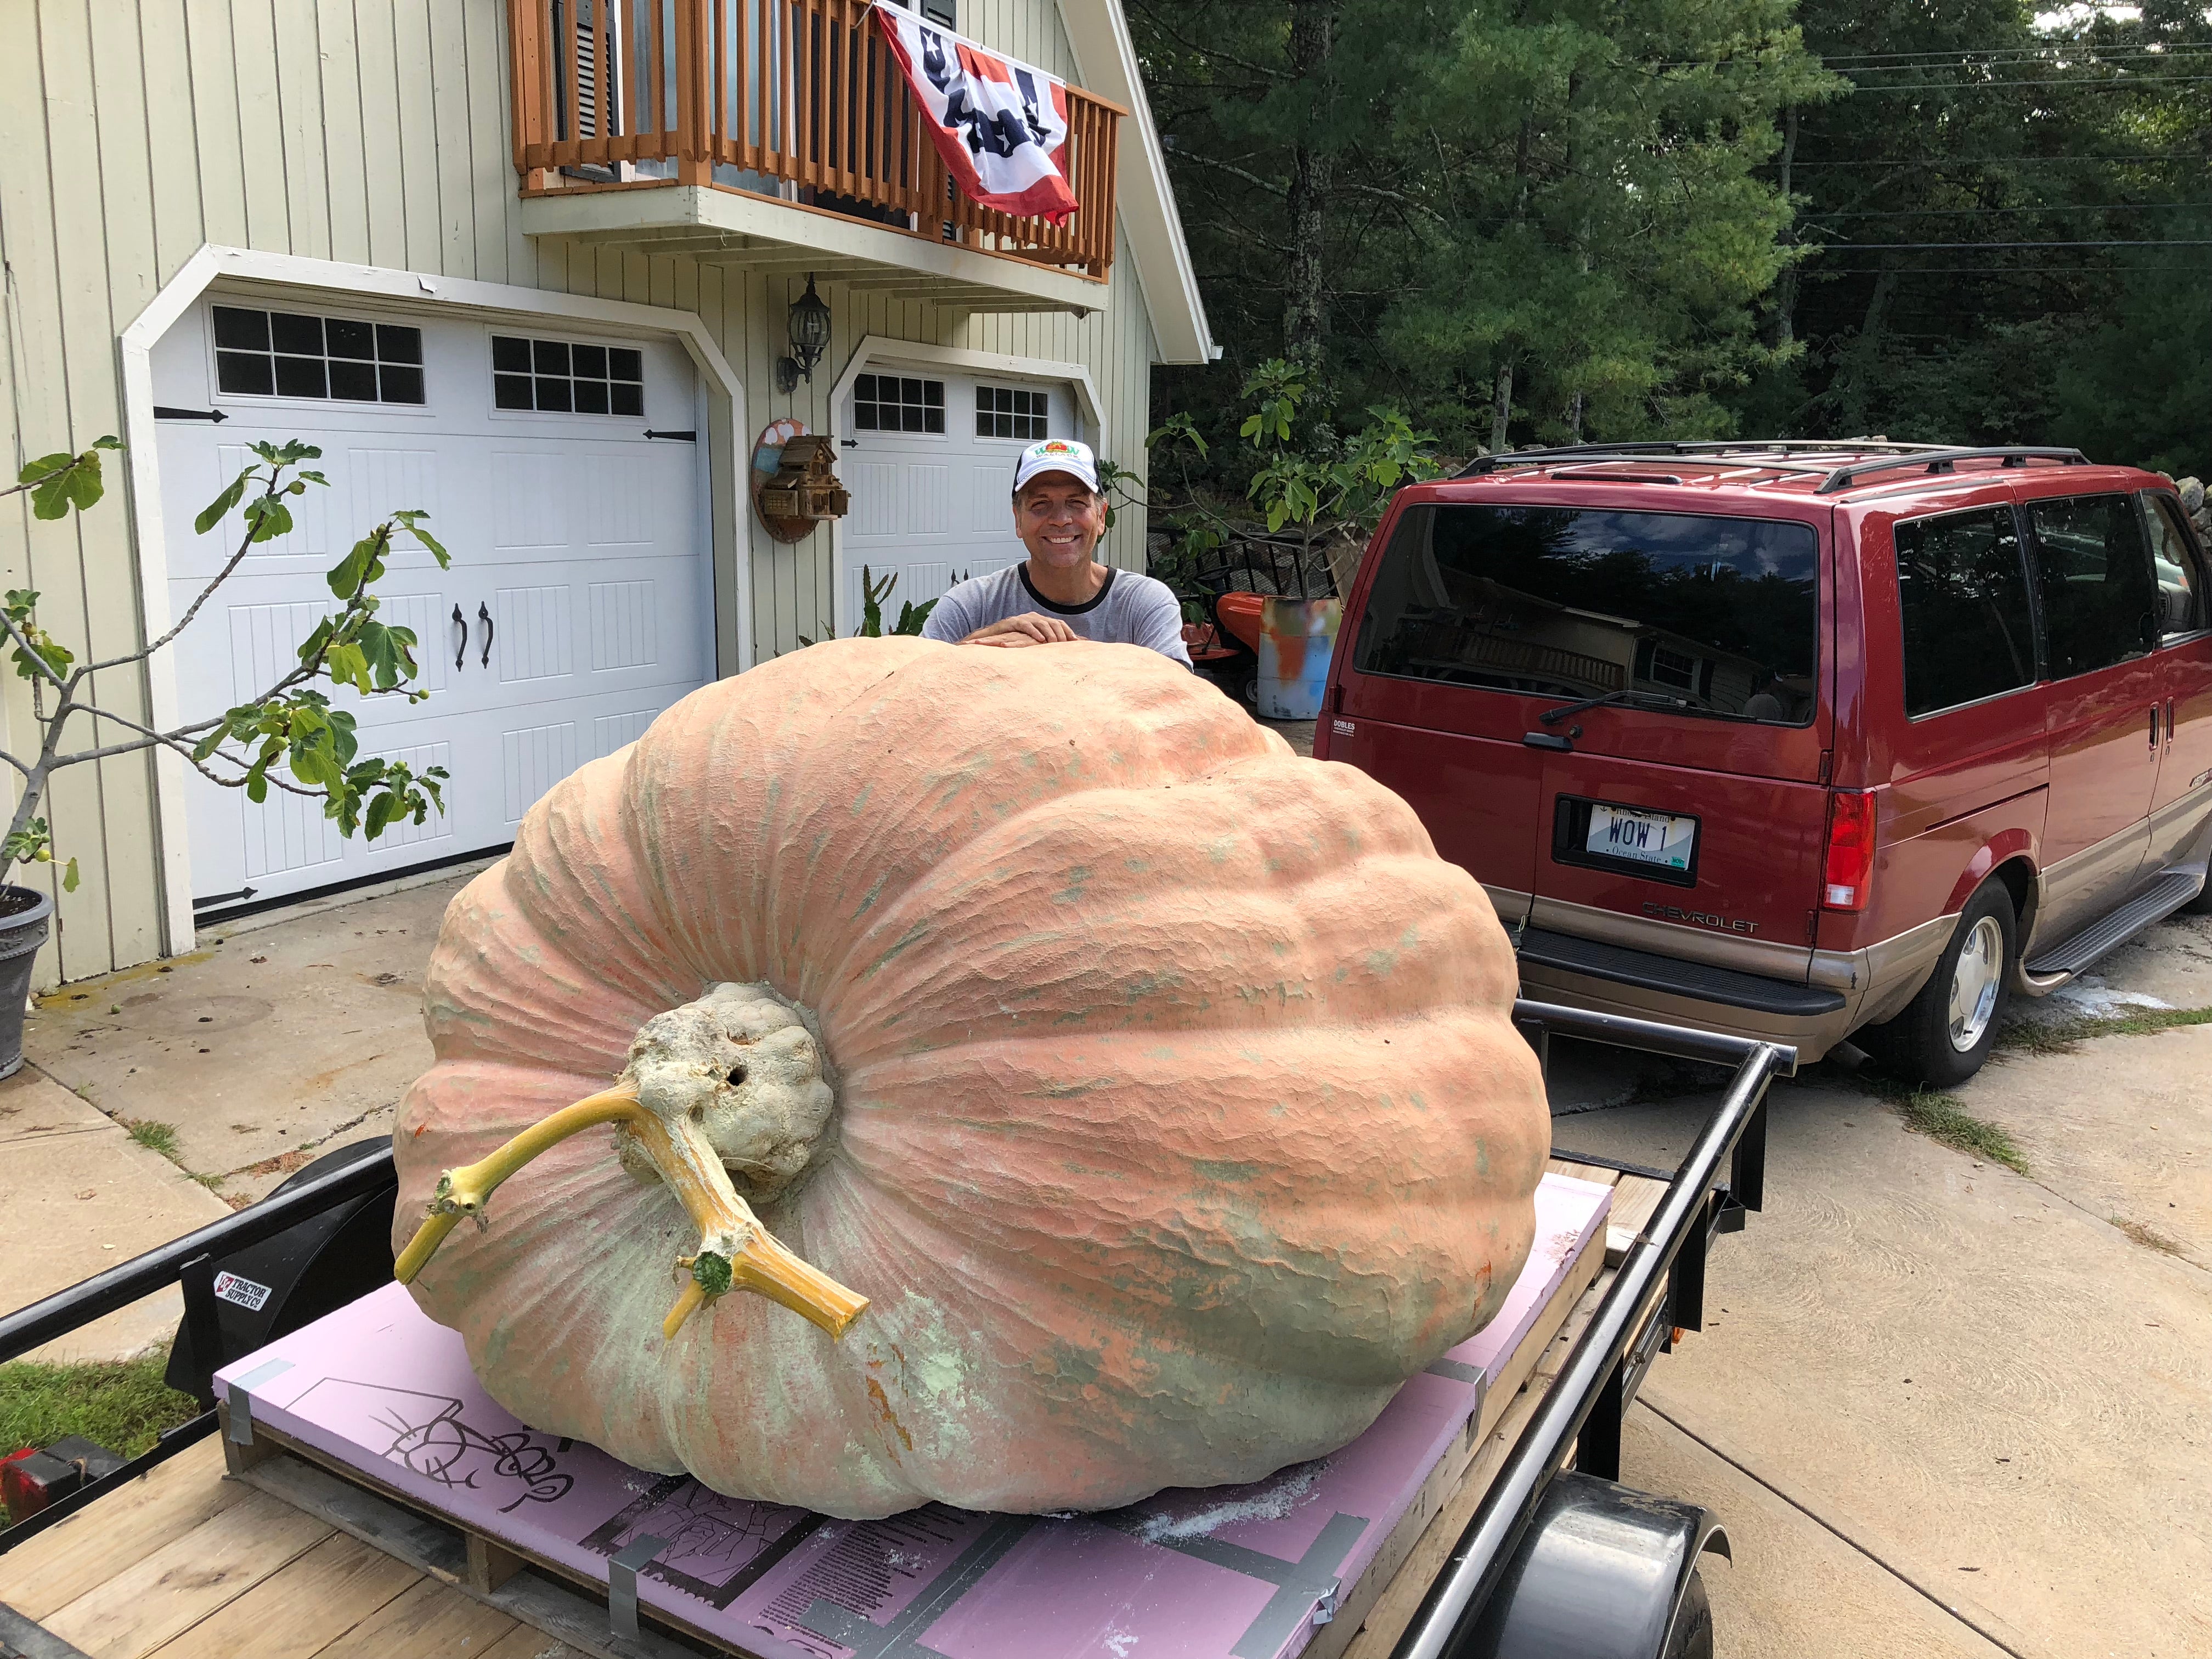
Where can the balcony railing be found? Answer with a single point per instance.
(798, 99)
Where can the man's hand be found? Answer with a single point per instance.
(1028, 628)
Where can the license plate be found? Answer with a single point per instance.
(1655, 838)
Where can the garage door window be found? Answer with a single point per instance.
(890, 402)
(1004, 412)
(285, 354)
(567, 377)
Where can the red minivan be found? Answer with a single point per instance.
(1794, 740)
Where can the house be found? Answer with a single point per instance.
(536, 267)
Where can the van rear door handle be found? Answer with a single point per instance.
(2154, 728)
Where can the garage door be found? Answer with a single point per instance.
(930, 464)
(580, 603)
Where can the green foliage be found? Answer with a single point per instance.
(60, 481)
(293, 736)
(122, 1406)
(874, 592)
(156, 1138)
(1568, 196)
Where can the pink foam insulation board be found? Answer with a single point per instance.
(1231, 1572)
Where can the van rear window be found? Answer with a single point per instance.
(1718, 614)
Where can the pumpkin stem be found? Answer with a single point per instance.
(735, 1251)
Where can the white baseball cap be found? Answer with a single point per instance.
(1058, 455)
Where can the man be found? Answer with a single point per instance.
(1059, 593)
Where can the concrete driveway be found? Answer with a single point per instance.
(1945, 1408)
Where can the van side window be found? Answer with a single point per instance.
(1962, 597)
(2093, 574)
(2173, 560)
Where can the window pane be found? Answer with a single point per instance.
(300, 377)
(295, 333)
(510, 354)
(2092, 573)
(404, 385)
(864, 389)
(399, 345)
(589, 360)
(2173, 557)
(932, 394)
(1564, 602)
(628, 398)
(552, 393)
(625, 363)
(1962, 601)
(910, 391)
(242, 371)
(552, 356)
(910, 417)
(591, 397)
(353, 381)
(511, 391)
(934, 420)
(247, 329)
(350, 339)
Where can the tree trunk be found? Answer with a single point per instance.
(1785, 286)
(1305, 300)
(1501, 406)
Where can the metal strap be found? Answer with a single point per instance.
(241, 1402)
(622, 1582)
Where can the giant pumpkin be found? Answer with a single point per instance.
(1099, 1097)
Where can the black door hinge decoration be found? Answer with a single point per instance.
(683, 437)
(163, 413)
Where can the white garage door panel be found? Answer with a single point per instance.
(934, 507)
(580, 577)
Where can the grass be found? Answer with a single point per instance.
(121, 1405)
(2062, 1036)
(156, 1138)
(2149, 1238)
(1945, 1118)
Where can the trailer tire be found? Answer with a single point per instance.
(1603, 1572)
(1692, 1637)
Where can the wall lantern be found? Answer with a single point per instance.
(809, 338)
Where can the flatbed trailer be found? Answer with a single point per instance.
(1518, 1544)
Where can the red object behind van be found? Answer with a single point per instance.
(1794, 740)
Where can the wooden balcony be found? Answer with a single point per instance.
(781, 133)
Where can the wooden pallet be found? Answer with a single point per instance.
(288, 1558)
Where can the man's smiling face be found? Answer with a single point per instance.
(1060, 519)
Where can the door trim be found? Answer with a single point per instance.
(877, 349)
(729, 542)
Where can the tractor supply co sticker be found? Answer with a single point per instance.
(241, 1293)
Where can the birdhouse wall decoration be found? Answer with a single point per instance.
(802, 490)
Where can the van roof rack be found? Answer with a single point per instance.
(1657, 449)
(1943, 460)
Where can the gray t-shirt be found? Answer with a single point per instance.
(1129, 610)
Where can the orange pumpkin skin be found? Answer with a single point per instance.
(1179, 1113)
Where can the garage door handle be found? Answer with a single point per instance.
(484, 616)
(462, 649)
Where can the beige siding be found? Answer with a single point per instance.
(369, 132)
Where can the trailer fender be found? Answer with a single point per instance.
(1603, 1572)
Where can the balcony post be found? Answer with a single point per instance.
(525, 42)
(695, 148)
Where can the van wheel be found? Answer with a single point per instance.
(1946, 1032)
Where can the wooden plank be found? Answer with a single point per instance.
(524, 1643)
(430, 1622)
(1372, 1634)
(1635, 1199)
(1517, 1369)
(188, 1578)
(296, 1611)
(1597, 1172)
(116, 1534)
(348, 1500)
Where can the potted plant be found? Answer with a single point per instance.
(290, 738)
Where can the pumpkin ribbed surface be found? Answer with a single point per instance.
(1178, 1117)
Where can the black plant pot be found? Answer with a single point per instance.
(22, 933)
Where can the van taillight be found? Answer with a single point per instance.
(1849, 873)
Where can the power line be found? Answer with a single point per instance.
(1993, 86)
(1999, 160)
(2061, 207)
(2148, 242)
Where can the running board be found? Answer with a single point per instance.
(2155, 903)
